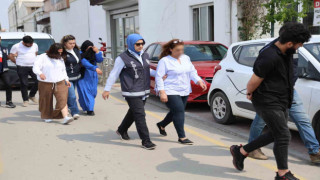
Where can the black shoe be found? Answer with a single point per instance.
(148, 145)
(186, 141)
(287, 176)
(238, 158)
(123, 136)
(162, 132)
(90, 113)
(10, 105)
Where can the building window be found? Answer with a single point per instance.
(203, 23)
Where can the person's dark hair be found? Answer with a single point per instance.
(27, 39)
(87, 51)
(67, 38)
(166, 48)
(294, 32)
(53, 52)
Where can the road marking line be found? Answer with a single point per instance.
(204, 137)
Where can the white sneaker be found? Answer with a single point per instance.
(76, 116)
(48, 120)
(25, 104)
(67, 120)
(34, 100)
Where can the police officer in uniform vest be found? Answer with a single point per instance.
(133, 68)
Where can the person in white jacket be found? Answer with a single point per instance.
(53, 81)
(175, 89)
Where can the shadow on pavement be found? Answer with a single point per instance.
(23, 116)
(104, 137)
(110, 137)
(187, 165)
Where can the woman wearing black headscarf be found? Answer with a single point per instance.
(87, 86)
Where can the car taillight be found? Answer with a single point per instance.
(216, 69)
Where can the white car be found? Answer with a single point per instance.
(227, 94)
(8, 39)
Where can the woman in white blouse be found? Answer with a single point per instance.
(175, 89)
(53, 81)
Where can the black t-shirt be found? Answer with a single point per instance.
(276, 90)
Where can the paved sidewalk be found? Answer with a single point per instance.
(89, 148)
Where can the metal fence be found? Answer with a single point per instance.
(106, 67)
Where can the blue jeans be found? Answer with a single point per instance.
(72, 98)
(299, 117)
(177, 105)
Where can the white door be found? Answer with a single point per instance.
(304, 85)
(308, 84)
(241, 72)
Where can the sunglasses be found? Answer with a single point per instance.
(177, 41)
(139, 44)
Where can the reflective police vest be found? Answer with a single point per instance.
(135, 77)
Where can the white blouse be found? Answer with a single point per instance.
(53, 69)
(179, 75)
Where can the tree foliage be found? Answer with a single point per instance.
(283, 11)
(251, 12)
(261, 14)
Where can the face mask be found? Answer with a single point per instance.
(291, 51)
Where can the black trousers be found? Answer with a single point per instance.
(6, 80)
(136, 113)
(278, 133)
(177, 105)
(23, 72)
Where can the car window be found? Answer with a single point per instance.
(249, 54)
(234, 48)
(306, 69)
(150, 49)
(43, 44)
(205, 52)
(314, 49)
(237, 53)
(156, 54)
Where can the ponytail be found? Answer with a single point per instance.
(166, 48)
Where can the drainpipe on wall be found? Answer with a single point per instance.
(230, 11)
(15, 10)
(88, 7)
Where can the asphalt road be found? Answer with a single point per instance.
(89, 148)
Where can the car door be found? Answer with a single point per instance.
(308, 83)
(240, 72)
(154, 59)
(304, 85)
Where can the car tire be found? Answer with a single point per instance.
(221, 109)
(316, 126)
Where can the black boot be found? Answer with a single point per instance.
(238, 158)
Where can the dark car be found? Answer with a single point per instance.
(8, 39)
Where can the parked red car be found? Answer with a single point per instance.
(205, 56)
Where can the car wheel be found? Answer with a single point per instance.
(221, 109)
(316, 126)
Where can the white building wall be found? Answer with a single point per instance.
(23, 12)
(81, 20)
(162, 20)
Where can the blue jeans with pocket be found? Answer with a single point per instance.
(72, 98)
(298, 115)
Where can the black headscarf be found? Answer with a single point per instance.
(88, 54)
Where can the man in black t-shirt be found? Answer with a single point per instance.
(271, 91)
